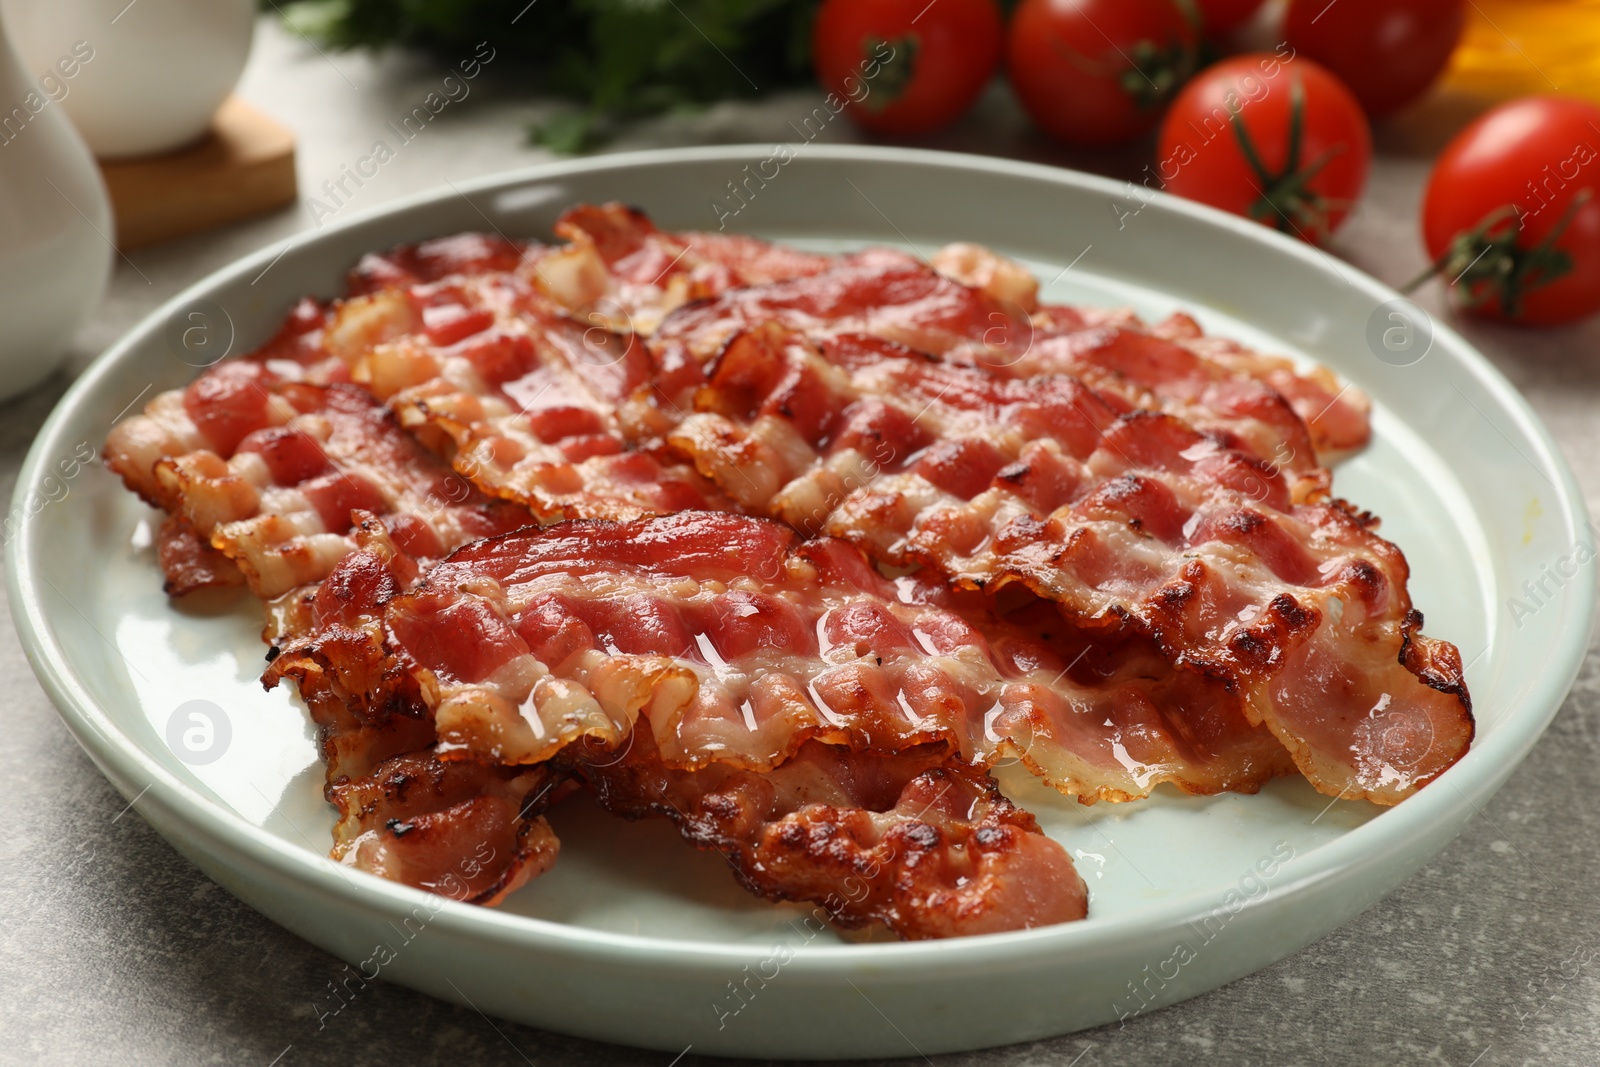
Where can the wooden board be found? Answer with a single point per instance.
(243, 167)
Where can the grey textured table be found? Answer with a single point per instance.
(115, 950)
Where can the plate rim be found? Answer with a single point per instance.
(119, 758)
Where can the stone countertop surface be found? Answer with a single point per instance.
(1486, 957)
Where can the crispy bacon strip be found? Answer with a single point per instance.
(175, 451)
(464, 829)
(880, 292)
(920, 842)
(619, 271)
(218, 409)
(1337, 414)
(516, 370)
(1147, 371)
(737, 643)
(522, 396)
(1123, 517)
(1121, 344)
(412, 290)
(278, 506)
(257, 390)
(1240, 397)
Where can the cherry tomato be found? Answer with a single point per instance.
(1220, 16)
(1511, 216)
(1096, 72)
(906, 66)
(1387, 51)
(1269, 136)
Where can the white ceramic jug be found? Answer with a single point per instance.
(55, 228)
(148, 74)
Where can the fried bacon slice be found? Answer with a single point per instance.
(516, 371)
(520, 395)
(1144, 370)
(736, 642)
(880, 292)
(216, 411)
(278, 504)
(1226, 391)
(464, 829)
(1123, 517)
(1296, 417)
(258, 389)
(406, 302)
(617, 270)
(920, 842)
(265, 455)
(1172, 366)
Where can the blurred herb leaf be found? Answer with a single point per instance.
(567, 132)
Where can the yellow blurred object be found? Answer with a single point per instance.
(1518, 47)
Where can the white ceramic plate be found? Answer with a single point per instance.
(635, 938)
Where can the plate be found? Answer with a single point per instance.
(635, 938)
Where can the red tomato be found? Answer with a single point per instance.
(1269, 136)
(1387, 51)
(1512, 212)
(906, 66)
(1220, 16)
(1096, 72)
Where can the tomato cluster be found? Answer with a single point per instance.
(1511, 216)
